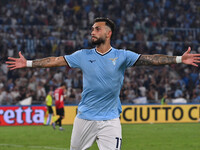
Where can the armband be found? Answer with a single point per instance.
(178, 59)
(29, 63)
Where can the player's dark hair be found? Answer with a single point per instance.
(108, 22)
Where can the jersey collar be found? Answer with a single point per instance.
(102, 54)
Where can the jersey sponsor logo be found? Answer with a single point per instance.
(91, 61)
(114, 60)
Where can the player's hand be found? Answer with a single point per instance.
(190, 59)
(15, 63)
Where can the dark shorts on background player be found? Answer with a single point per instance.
(60, 111)
(50, 110)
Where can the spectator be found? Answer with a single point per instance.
(46, 28)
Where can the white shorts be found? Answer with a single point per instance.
(107, 134)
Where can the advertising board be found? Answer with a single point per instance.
(131, 114)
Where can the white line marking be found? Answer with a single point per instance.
(36, 147)
(12, 145)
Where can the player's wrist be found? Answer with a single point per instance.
(178, 59)
(29, 63)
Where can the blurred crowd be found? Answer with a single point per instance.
(58, 27)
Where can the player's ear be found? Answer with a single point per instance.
(109, 34)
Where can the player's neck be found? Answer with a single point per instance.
(103, 48)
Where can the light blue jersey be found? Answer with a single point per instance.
(103, 77)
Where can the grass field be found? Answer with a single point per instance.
(135, 137)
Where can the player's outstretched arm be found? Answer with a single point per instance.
(21, 62)
(186, 58)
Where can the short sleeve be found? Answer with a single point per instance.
(74, 60)
(131, 58)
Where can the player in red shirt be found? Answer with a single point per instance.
(59, 103)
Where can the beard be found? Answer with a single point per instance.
(98, 41)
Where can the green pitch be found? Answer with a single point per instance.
(135, 137)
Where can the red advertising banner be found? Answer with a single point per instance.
(21, 115)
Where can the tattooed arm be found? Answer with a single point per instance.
(156, 60)
(49, 62)
(21, 62)
(186, 58)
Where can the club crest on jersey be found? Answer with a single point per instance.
(114, 60)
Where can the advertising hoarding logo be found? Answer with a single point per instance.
(25, 115)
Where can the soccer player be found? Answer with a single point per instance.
(49, 114)
(103, 70)
(59, 103)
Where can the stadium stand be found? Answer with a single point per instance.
(58, 27)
